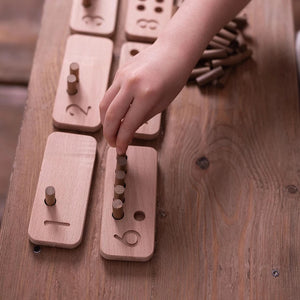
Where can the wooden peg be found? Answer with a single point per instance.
(120, 177)
(216, 45)
(231, 26)
(119, 191)
(74, 69)
(198, 71)
(214, 53)
(241, 21)
(86, 3)
(122, 162)
(210, 76)
(232, 60)
(227, 34)
(72, 84)
(50, 196)
(117, 209)
(221, 82)
(221, 40)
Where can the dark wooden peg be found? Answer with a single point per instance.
(117, 209)
(122, 162)
(119, 192)
(120, 177)
(74, 70)
(71, 84)
(50, 196)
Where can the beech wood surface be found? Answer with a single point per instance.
(222, 232)
(67, 168)
(140, 198)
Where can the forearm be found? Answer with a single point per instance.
(193, 26)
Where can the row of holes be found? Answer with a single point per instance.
(156, 9)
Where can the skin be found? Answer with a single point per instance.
(153, 78)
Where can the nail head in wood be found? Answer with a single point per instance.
(119, 191)
(117, 209)
(74, 70)
(120, 177)
(72, 84)
(50, 196)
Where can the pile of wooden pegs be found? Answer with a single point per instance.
(227, 49)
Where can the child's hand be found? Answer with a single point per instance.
(146, 85)
(140, 90)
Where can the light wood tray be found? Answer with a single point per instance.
(97, 19)
(67, 166)
(128, 238)
(145, 19)
(81, 111)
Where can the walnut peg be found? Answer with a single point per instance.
(72, 84)
(122, 162)
(86, 3)
(198, 71)
(74, 69)
(119, 191)
(50, 199)
(210, 76)
(117, 209)
(120, 177)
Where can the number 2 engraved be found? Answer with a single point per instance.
(78, 108)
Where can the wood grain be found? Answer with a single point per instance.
(19, 28)
(221, 231)
(97, 19)
(80, 110)
(132, 237)
(61, 225)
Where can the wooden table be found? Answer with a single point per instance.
(231, 231)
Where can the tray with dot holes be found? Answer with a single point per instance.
(146, 18)
(96, 17)
(150, 129)
(131, 235)
(62, 193)
(77, 100)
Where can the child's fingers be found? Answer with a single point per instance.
(132, 121)
(115, 113)
(107, 99)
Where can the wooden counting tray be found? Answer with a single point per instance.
(145, 19)
(131, 238)
(150, 129)
(81, 111)
(67, 166)
(97, 19)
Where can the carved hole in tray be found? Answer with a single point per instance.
(139, 215)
